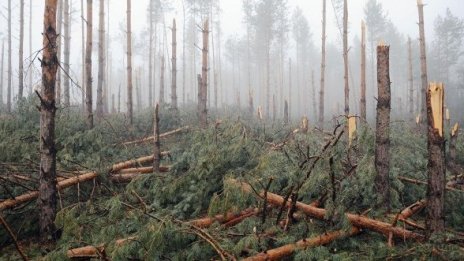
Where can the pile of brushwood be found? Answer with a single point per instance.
(241, 188)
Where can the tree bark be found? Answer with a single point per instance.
(321, 93)
(363, 72)
(10, 68)
(21, 50)
(286, 112)
(30, 46)
(47, 176)
(150, 58)
(345, 57)
(59, 42)
(451, 161)
(289, 102)
(1, 75)
(67, 45)
(83, 83)
(204, 77)
(382, 134)
(88, 66)
(436, 168)
(101, 59)
(410, 79)
(129, 64)
(174, 68)
(423, 57)
(161, 98)
(156, 142)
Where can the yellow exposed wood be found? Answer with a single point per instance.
(436, 99)
(455, 129)
(351, 128)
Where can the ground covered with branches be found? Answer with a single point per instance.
(156, 216)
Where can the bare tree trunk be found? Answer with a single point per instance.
(274, 108)
(1, 75)
(382, 133)
(423, 57)
(161, 98)
(156, 147)
(321, 93)
(10, 68)
(107, 61)
(345, 57)
(59, 42)
(83, 83)
(268, 80)
(436, 169)
(88, 66)
(363, 72)
(313, 94)
(67, 45)
(129, 64)
(174, 68)
(113, 108)
(47, 181)
(204, 77)
(119, 99)
(289, 103)
(183, 55)
(30, 46)
(410, 79)
(150, 57)
(451, 161)
(21, 50)
(286, 112)
(101, 59)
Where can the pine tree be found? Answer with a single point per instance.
(21, 50)
(129, 64)
(88, 66)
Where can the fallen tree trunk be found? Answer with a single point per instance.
(287, 250)
(10, 203)
(87, 252)
(420, 182)
(319, 213)
(131, 174)
(135, 162)
(412, 209)
(150, 139)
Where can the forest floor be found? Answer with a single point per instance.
(241, 188)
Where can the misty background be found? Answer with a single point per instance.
(240, 36)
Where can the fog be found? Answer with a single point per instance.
(239, 63)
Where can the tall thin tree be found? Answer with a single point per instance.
(47, 177)
(83, 85)
(345, 57)
(363, 72)
(204, 77)
(66, 52)
(101, 59)
(1, 75)
(150, 55)
(410, 79)
(10, 68)
(129, 64)
(88, 66)
(423, 57)
(30, 45)
(162, 68)
(59, 41)
(174, 68)
(321, 93)
(21, 50)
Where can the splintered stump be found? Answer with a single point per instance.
(382, 132)
(436, 168)
(320, 213)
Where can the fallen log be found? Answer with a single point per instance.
(412, 209)
(320, 213)
(10, 203)
(135, 162)
(287, 250)
(420, 182)
(142, 170)
(151, 138)
(92, 251)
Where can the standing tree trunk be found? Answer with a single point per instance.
(21, 50)
(183, 54)
(321, 93)
(436, 169)
(345, 57)
(1, 75)
(83, 88)
(67, 45)
(451, 161)
(313, 94)
(101, 59)
(161, 98)
(286, 112)
(410, 79)
(423, 57)
(150, 57)
(156, 147)
(129, 64)
(174, 68)
(30, 45)
(289, 102)
(363, 72)
(58, 49)
(47, 182)
(268, 79)
(10, 68)
(204, 77)
(382, 133)
(88, 66)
